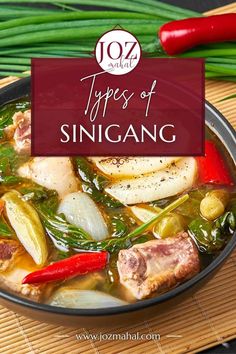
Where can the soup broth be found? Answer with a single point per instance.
(52, 210)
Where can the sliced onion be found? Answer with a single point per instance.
(83, 299)
(132, 165)
(156, 185)
(79, 209)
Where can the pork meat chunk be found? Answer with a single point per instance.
(52, 173)
(20, 131)
(15, 264)
(158, 265)
(9, 251)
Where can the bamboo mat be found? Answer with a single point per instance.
(204, 320)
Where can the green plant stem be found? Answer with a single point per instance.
(8, 15)
(210, 53)
(76, 24)
(70, 16)
(44, 49)
(62, 35)
(8, 60)
(13, 73)
(121, 5)
(19, 8)
(221, 60)
(66, 7)
(160, 5)
(212, 74)
(226, 70)
(142, 228)
(59, 55)
(225, 78)
(14, 67)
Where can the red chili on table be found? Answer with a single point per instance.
(181, 35)
(212, 168)
(78, 264)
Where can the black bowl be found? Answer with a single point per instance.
(133, 312)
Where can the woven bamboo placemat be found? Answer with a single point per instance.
(206, 319)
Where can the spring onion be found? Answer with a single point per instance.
(63, 30)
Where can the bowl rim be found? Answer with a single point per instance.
(15, 89)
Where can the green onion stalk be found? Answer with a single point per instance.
(68, 29)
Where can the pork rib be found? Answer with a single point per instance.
(20, 131)
(158, 265)
(15, 264)
(9, 251)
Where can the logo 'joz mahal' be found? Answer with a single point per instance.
(118, 52)
(117, 103)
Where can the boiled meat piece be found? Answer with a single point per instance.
(51, 172)
(20, 131)
(15, 264)
(9, 251)
(158, 265)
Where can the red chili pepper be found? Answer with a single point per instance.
(79, 264)
(212, 168)
(181, 35)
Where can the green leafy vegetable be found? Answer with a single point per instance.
(8, 157)
(4, 122)
(9, 162)
(61, 232)
(5, 230)
(119, 227)
(94, 184)
(41, 197)
(87, 174)
(10, 179)
(212, 236)
(100, 197)
(5, 167)
(46, 203)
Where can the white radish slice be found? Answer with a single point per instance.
(146, 215)
(143, 214)
(83, 299)
(132, 166)
(80, 210)
(157, 185)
